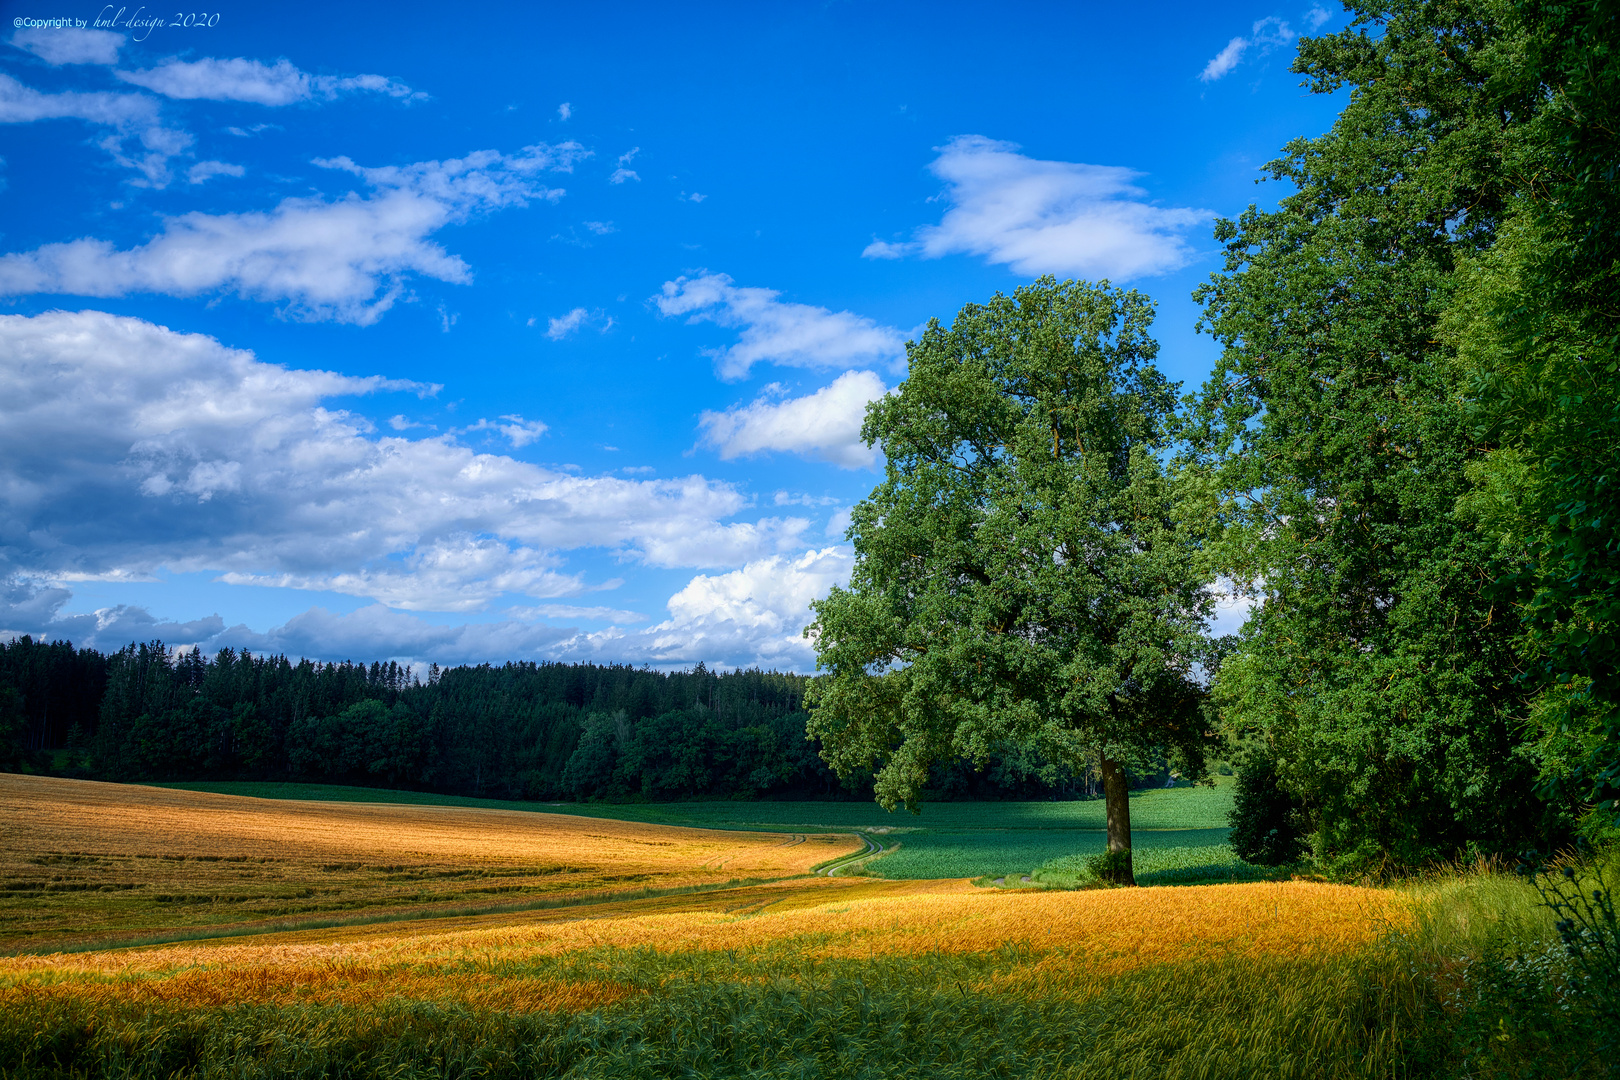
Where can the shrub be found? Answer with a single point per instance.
(1264, 818)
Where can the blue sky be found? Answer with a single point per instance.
(545, 332)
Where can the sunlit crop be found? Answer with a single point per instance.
(78, 857)
(1069, 939)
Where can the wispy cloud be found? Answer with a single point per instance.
(207, 170)
(70, 45)
(518, 431)
(578, 318)
(1225, 60)
(240, 79)
(1266, 35)
(778, 332)
(1047, 217)
(346, 259)
(138, 139)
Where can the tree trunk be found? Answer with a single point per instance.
(1117, 798)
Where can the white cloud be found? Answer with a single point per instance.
(564, 111)
(1267, 34)
(129, 115)
(1225, 60)
(563, 325)
(754, 615)
(346, 259)
(825, 424)
(795, 335)
(1047, 217)
(570, 611)
(253, 81)
(518, 431)
(751, 616)
(21, 104)
(207, 170)
(126, 447)
(624, 172)
(1315, 17)
(70, 46)
(601, 228)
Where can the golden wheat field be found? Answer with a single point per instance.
(80, 860)
(1068, 940)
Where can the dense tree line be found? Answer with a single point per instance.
(1408, 456)
(517, 731)
(1412, 440)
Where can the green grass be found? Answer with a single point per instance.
(944, 840)
(1155, 808)
(1175, 858)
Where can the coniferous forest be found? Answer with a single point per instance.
(514, 731)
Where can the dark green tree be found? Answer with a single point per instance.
(1381, 663)
(1537, 328)
(1021, 576)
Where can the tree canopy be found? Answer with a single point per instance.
(1020, 575)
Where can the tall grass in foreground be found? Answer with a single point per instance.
(770, 1014)
(1466, 980)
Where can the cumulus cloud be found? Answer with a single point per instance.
(776, 332)
(240, 79)
(70, 45)
(1315, 17)
(1266, 35)
(1047, 217)
(750, 616)
(755, 615)
(126, 447)
(344, 259)
(824, 425)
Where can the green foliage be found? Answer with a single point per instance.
(1334, 445)
(1265, 818)
(1537, 328)
(1020, 577)
(1111, 867)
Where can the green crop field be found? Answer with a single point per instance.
(1006, 840)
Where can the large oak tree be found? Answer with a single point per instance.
(1021, 576)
